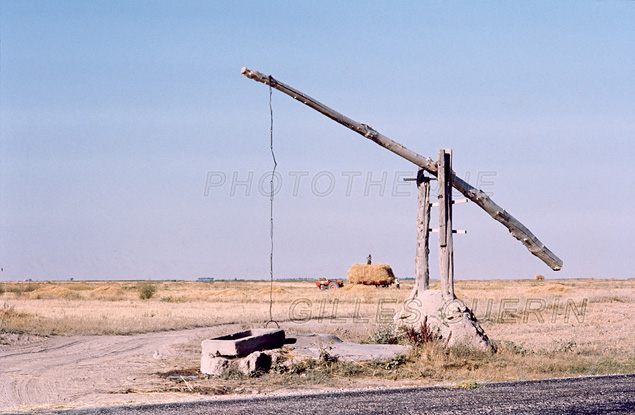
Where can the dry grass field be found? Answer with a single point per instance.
(553, 328)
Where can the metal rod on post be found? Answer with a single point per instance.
(422, 267)
(446, 249)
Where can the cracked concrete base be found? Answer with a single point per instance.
(451, 319)
(305, 346)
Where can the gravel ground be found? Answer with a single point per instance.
(587, 395)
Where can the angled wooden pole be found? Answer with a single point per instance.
(446, 246)
(422, 253)
(517, 229)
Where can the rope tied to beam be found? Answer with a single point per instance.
(271, 194)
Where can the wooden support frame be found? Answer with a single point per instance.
(515, 227)
(446, 245)
(422, 253)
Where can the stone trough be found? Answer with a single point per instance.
(244, 342)
(257, 350)
(242, 351)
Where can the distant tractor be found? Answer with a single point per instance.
(328, 284)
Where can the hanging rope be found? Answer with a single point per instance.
(271, 193)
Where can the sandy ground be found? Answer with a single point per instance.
(59, 372)
(77, 371)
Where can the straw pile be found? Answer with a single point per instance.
(360, 273)
(51, 291)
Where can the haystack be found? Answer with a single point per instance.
(360, 273)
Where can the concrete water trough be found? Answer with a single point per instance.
(243, 342)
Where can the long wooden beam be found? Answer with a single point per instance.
(517, 229)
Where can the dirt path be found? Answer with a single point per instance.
(67, 372)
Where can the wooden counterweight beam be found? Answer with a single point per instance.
(517, 229)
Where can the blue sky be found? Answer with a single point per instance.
(131, 146)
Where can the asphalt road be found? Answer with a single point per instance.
(589, 395)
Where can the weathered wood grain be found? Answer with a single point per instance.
(422, 252)
(446, 246)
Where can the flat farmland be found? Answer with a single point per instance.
(542, 329)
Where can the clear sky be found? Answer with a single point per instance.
(131, 147)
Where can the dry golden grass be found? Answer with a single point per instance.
(543, 329)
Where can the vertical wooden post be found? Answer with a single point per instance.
(422, 270)
(446, 250)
